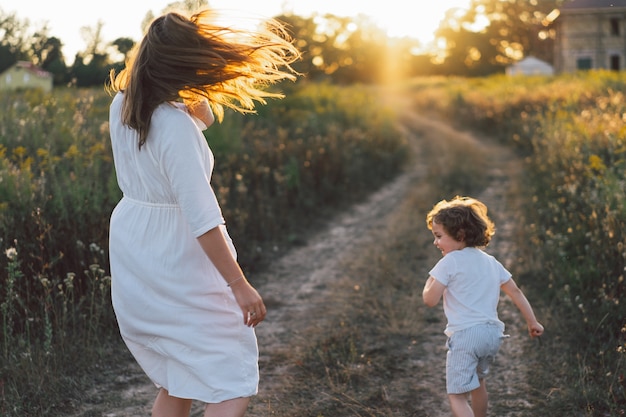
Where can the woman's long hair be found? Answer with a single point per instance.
(187, 58)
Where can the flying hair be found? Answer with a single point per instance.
(191, 58)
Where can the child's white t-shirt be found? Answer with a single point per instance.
(472, 279)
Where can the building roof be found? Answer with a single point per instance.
(530, 65)
(592, 4)
(531, 61)
(32, 68)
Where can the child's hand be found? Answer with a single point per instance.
(535, 329)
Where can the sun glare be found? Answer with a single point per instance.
(396, 17)
(421, 23)
(393, 16)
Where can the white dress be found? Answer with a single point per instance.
(175, 312)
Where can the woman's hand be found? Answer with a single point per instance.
(201, 110)
(249, 301)
(214, 244)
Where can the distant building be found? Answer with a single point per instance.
(590, 34)
(23, 75)
(530, 66)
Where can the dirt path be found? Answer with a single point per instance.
(299, 288)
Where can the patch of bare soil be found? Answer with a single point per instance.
(300, 290)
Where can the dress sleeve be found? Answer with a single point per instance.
(187, 162)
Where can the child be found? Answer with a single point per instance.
(470, 281)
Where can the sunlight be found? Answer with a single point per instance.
(393, 16)
(420, 24)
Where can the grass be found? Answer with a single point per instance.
(274, 177)
(58, 188)
(571, 130)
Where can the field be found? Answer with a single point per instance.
(316, 153)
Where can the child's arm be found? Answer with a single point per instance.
(511, 289)
(433, 290)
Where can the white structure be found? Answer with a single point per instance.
(23, 75)
(530, 66)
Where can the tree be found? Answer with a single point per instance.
(491, 34)
(51, 59)
(13, 40)
(96, 44)
(123, 46)
(339, 49)
(364, 54)
(92, 66)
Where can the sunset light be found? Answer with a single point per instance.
(393, 15)
(123, 18)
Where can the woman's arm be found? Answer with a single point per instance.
(214, 245)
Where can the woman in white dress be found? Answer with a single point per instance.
(184, 306)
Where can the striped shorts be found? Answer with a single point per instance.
(470, 352)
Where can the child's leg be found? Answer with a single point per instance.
(230, 408)
(460, 406)
(480, 400)
(167, 406)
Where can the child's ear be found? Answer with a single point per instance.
(460, 236)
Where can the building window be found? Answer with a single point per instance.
(615, 62)
(615, 26)
(583, 63)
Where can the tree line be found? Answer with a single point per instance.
(478, 41)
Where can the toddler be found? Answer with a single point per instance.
(469, 280)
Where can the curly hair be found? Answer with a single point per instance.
(463, 218)
(189, 58)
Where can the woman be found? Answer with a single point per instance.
(185, 309)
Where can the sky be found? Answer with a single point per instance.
(122, 18)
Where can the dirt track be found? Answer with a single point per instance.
(299, 286)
